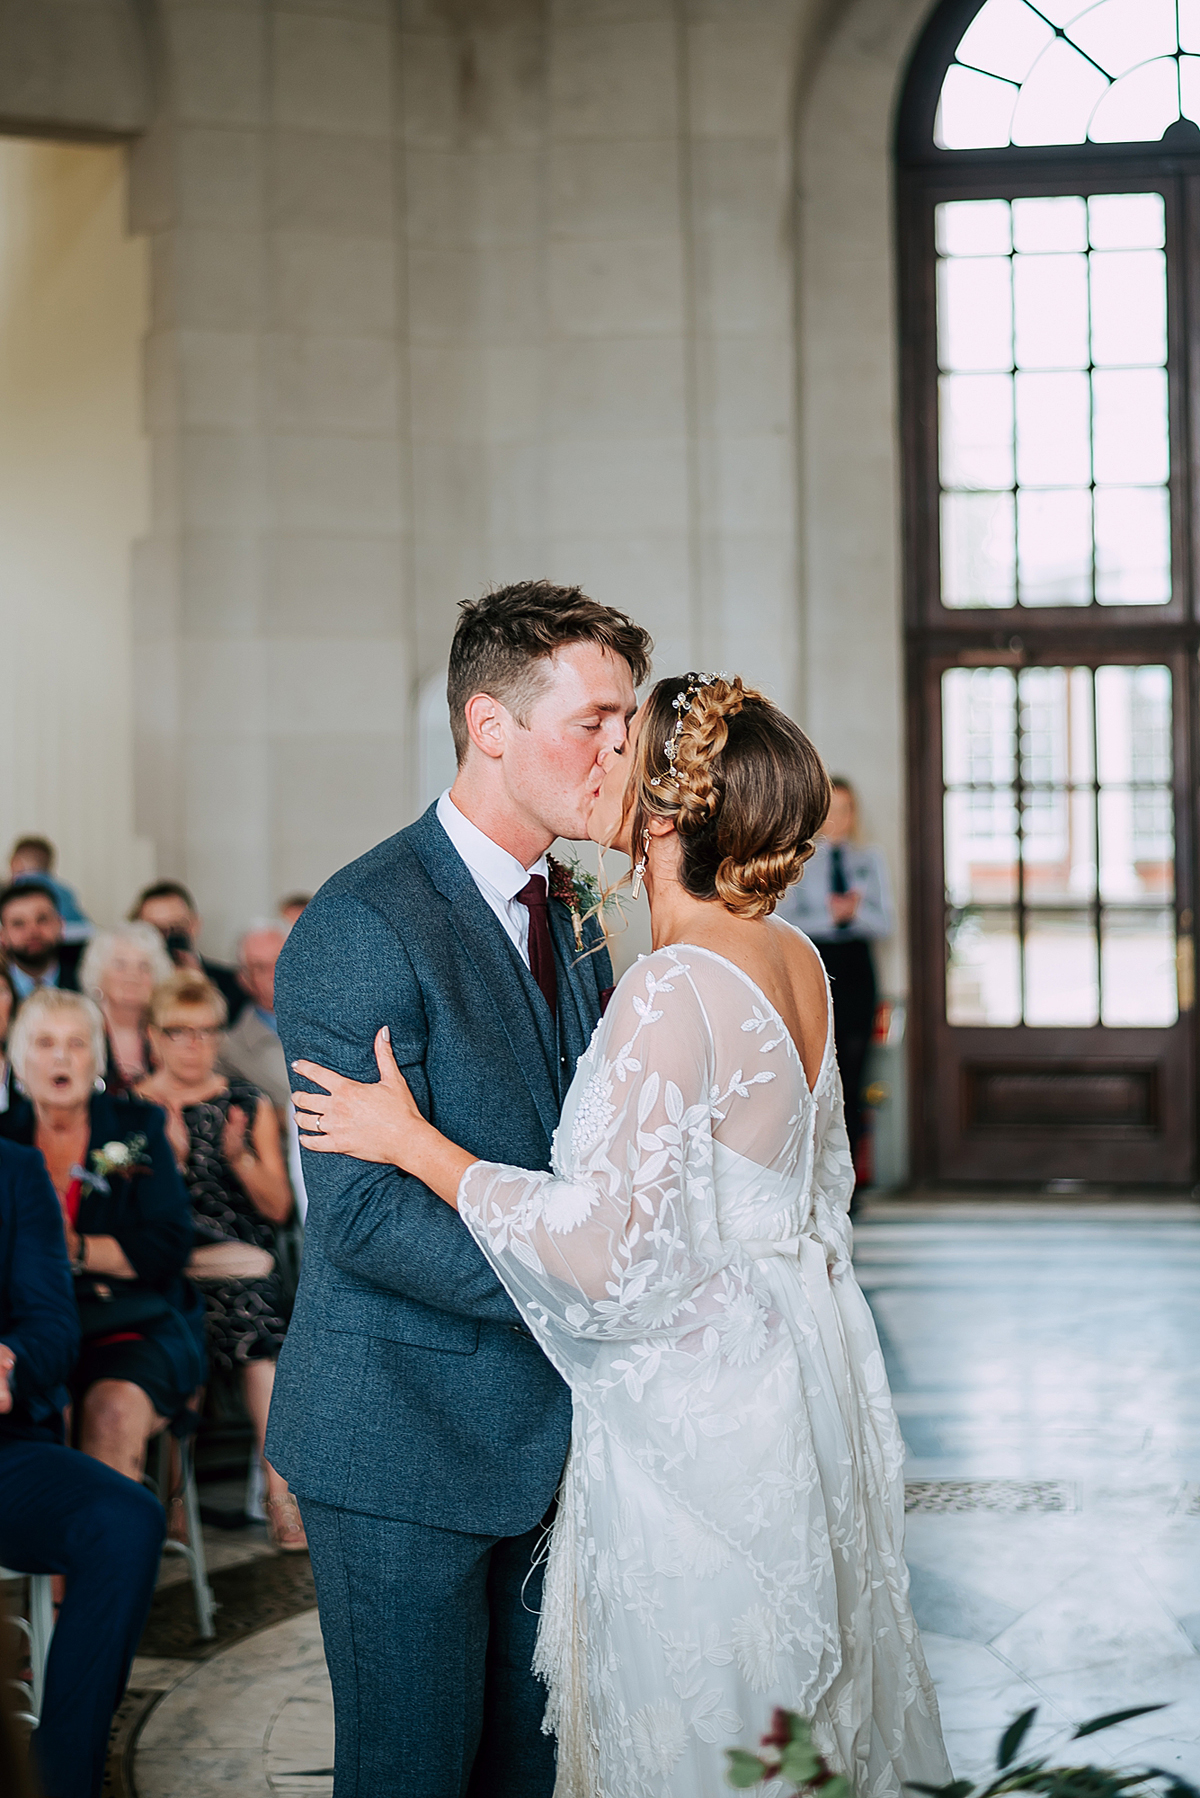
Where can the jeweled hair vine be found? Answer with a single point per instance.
(681, 705)
(741, 783)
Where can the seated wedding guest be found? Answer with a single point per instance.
(33, 858)
(128, 1228)
(844, 905)
(227, 1143)
(291, 907)
(62, 1512)
(171, 909)
(8, 1005)
(120, 969)
(252, 1050)
(31, 939)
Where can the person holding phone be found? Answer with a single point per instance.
(169, 906)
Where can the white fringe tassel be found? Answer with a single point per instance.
(560, 1657)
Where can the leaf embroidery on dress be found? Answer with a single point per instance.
(763, 1553)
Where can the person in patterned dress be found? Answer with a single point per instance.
(226, 1139)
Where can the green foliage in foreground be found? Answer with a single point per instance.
(789, 1753)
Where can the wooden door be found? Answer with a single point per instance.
(1058, 1037)
(1050, 346)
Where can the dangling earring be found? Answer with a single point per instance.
(639, 868)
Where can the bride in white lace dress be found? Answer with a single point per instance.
(729, 1534)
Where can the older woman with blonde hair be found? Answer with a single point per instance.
(127, 1226)
(120, 969)
(227, 1143)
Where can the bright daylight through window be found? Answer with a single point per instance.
(1059, 846)
(1054, 453)
(1061, 72)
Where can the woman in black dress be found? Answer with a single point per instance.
(226, 1140)
(127, 1225)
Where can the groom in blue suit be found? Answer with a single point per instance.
(414, 1417)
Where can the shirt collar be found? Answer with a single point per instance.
(28, 983)
(502, 871)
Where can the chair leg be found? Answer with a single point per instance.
(193, 1548)
(25, 1710)
(205, 1603)
(41, 1628)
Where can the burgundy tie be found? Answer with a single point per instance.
(541, 947)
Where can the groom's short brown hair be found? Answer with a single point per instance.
(502, 638)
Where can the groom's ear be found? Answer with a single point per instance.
(487, 721)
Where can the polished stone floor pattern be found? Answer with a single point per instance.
(1055, 1350)
(1044, 1366)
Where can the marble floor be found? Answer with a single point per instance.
(1049, 1359)
(1044, 1365)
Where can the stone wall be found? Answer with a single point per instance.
(74, 492)
(448, 292)
(75, 68)
(272, 605)
(444, 296)
(853, 696)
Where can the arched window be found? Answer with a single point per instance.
(1049, 208)
(1114, 72)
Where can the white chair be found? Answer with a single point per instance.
(37, 1629)
(193, 1549)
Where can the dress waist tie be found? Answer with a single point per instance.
(808, 1251)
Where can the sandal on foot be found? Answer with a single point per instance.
(285, 1526)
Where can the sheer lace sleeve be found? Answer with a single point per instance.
(833, 1172)
(685, 1266)
(605, 1246)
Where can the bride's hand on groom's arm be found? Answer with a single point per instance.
(377, 1121)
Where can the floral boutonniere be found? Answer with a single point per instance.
(579, 891)
(114, 1158)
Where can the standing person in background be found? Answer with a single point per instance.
(844, 904)
(120, 969)
(252, 1050)
(291, 907)
(8, 1004)
(31, 939)
(171, 909)
(33, 858)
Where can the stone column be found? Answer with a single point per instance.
(274, 666)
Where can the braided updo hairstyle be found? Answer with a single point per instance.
(746, 791)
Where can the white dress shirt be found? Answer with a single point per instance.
(498, 875)
(806, 905)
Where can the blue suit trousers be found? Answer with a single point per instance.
(62, 1512)
(429, 1635)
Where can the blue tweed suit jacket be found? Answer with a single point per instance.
(408, 1386)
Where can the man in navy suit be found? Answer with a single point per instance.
(60, 1511)
(416, 1420)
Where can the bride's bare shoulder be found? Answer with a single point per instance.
(800, 954)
